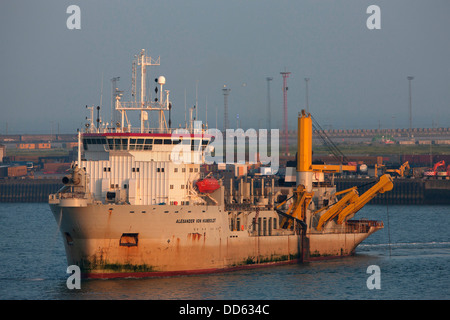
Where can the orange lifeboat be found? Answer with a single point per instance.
(207, 185)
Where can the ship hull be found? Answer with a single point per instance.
(119, 241)
(334, 245)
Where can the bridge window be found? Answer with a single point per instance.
(132, 144)
(148, 144)
(120, 144)
(124, 144)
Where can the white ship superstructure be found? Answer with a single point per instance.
(137, 165)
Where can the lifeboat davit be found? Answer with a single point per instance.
(207, 185)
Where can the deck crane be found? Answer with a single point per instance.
(297, 209)
(352, 202)
(345, 208)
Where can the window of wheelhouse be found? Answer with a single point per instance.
(90, 141)
(120, 143)
(85, 143)
(132, 144)
(148, 144)
(140, 144)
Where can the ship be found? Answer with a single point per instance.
(129, 207)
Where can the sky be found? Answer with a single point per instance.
(358, 76)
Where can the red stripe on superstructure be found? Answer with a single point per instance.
(129, 134)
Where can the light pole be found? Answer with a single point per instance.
(269, 125)
(226, 92)
(410, 104)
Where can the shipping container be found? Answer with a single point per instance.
(13, 171)
(17, 171)
(417, 160)
(44, 146)
(26, 146)
(441, 141)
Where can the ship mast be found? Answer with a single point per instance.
(143, 62)
(161, 102)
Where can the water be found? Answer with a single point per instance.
(413, 256)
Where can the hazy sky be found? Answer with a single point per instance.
(358, 77)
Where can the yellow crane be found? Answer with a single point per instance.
(400, 172)
(298, 208)
(352, 202)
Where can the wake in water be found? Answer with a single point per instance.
(441, 248)
(405, 244)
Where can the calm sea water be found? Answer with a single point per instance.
(413, 254)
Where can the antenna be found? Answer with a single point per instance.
(410, 104)
(196, 99)
(143, 62)
(133, 78)
(114, 93)
(170, 119)
(98, 116)
(285, 75)
(101, 92)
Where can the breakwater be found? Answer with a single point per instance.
(28, 190)
(405, 191)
